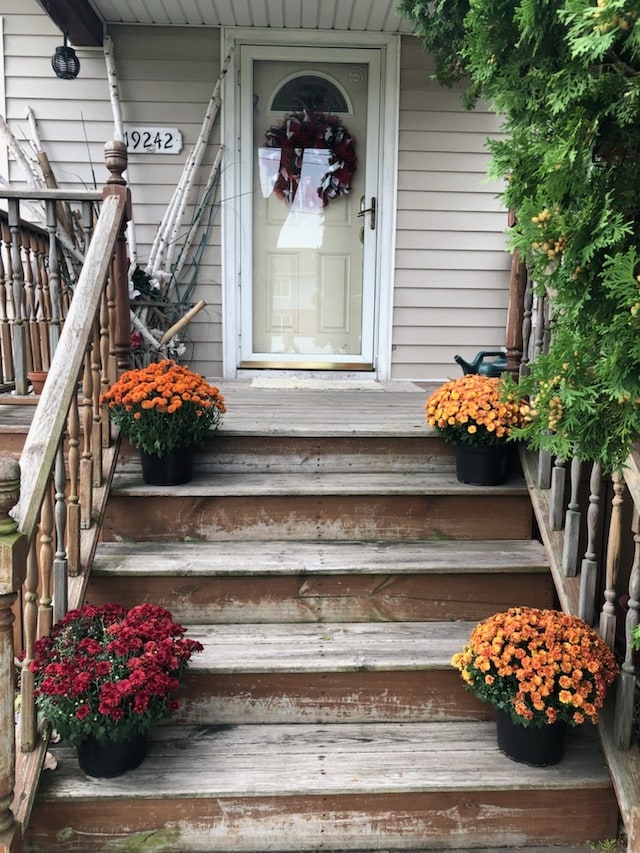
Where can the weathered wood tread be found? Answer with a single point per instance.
(287, 557)
(303, 760)
(311, 483)
(320, 647)
(395, 409)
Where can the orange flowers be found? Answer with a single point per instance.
(538, 665)
(164, 406)
(475, 409)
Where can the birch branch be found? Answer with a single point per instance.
(188, 240)
(118, 128)
(114, 90)
(146, 334)
(6, 135)
(182, 322)
(167, 237)
(62, 208)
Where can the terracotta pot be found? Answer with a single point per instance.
(37, 379)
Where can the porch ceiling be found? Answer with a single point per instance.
(83, 20)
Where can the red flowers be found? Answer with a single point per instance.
(108, 672)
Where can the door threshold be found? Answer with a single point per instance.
(316, 383)
(322, 375)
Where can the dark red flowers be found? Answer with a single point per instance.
(108, 672)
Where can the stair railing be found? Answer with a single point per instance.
(52, 503)
(39, 267)
(590, 525)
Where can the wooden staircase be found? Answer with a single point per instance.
(330, 563)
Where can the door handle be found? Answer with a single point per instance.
(371, 210)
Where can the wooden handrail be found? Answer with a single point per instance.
(65, 474)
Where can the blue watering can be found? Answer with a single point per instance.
(487, 368)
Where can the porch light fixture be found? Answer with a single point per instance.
(65, 63)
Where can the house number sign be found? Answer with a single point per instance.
(149, 139)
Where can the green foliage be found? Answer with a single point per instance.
(440, 24)
(565, 74)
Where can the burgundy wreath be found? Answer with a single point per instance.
(313, 130)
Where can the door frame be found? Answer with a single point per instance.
(233, 262)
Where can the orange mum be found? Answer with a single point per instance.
(538, 665)
(164, 406)
(475, 409)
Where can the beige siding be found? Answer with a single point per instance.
(452, 269)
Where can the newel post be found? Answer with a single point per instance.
(13, 561)
(115, 158)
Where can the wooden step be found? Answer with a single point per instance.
(327, 673)
(345, 786)
(313, 506)
(232, 452)
(292, 581)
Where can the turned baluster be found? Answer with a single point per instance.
(540, 342)
(13, 550)
(589, 567)
(18, 342)
(623, 726)
(96, 431)
(34, 354)
(86, 460)
(73, 500)
(28, 716)
(87, 224)
(60, 567)
(6, 357)
(517, 287)
(556, 499)
(104, 368)
(526, 328)
(54, 277)
(45, 566)
(572, 524)
(608, 614)
(44, 314)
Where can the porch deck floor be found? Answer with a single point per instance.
(306, 406)
(337, 409)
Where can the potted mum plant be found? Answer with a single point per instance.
(105, 675)
(476, 413)
(541, 670)
(165, 410)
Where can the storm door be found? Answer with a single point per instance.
(309, 148)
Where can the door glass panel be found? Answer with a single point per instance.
(307, 244)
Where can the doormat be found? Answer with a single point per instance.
(317, 384)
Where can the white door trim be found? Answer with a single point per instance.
(232, 260)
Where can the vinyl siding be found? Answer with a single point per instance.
(166, 77)
(452, 267)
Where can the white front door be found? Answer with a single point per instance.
(309, 138)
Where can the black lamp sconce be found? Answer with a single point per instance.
(65, 63)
